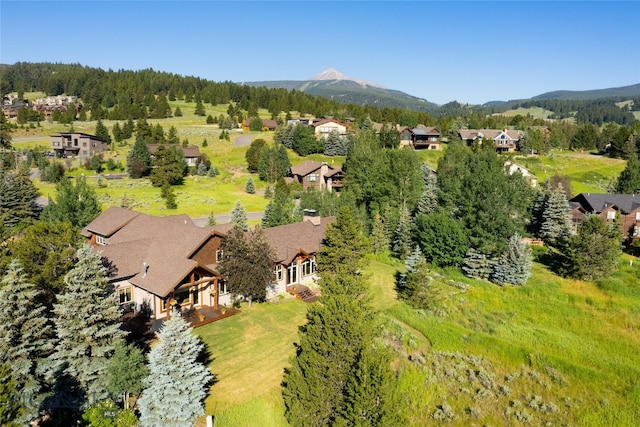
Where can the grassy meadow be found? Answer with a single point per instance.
(552, 352)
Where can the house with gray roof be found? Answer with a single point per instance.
(157, 262)
(421, 137)
(505, 140)
(622, 207)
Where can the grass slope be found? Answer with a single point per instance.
(554, 351)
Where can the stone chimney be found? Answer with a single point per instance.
(311, 215)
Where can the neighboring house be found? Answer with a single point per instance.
(267, 124)
(191, 153)
(318, 175)
(506, 140)
(81, 145)
(324, 127)
(157, 262)
(11, 110)
(513, 168)
(295, 246)
(421, 137)
(624, 207)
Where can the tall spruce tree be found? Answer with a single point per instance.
(339, 376)
(476, 264)
(177, 383)
(556, 227)
(379, 238)
(87, 324)
(401, 242)
(17, 199)
(102, 132)
(629, 179)
(139, 159)
(514, 266)
(76, 204)
(593, 252)
(239, 216)
(26, 339)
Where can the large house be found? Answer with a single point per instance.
(318, 175)
(78, 144)
(267, 124)
(324, 128)
(624, 207)
(158, 262)
(421, 137)
(506, 140)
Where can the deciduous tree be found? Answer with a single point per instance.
(75, 203)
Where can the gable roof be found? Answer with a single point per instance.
(468, 134)
(164, 244)
(308, 166)
(188, 151)
(325, 121)
(292, 239)
(596, 203)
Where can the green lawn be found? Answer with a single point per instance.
(575, 344)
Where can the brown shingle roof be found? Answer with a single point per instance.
(305, 168)
(300, 237)
(110, 221)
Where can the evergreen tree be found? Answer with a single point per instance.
(166, 192)
(47, 252)
(555, 227)
(211, 220)
(249, 187)
(268, 192)
(26, 338)
(336, 145)
(476, 264)
(410, 265)
(202, 169)
(139, 160)
(239, 216)
(253, 154)
(177, 383)
(87, 325)
(10, 407)
(177, 112)
(379, 238)
(213, 172)
(629, 179)
(76, 204)
(401, 242)
(199, 111)
(5, 133)
(429, 199)
(96, 164)
(416, 286)
(17, 199)
(343, 247)
(126, 371)
(339, 376)
(117, 132)
(172, 136)
(593, 252)
(166, 168)
(514, 266)
(283, 164)
(102, 132)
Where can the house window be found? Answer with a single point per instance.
(308, 267)
(56, 143)
(278, 271)
(75, 142)
(637, 216)
(313, 177)
(219, 255)
(163, 305)
(222, 287)
(95, 144)
(611, 214)
(406, 137)
(195, 291)
(124, 295)
(101, 240)
(182, 296)
(84, 143)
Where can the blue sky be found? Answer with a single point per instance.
(474, 51)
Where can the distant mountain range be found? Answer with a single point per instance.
(333, 84)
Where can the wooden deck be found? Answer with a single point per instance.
(303, 293)
(142, 329)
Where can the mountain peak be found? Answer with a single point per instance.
(333, 74)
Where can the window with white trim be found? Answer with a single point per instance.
(637, 216)
(313, 177)
(101, 240)
(222, 287)
(278, 272)
(219, 255)
(611, 214)
(125, 294)
(308, 267)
